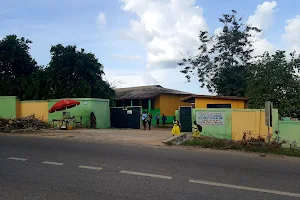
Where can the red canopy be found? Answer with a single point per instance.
(63, 104)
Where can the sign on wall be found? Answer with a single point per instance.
(210, 118)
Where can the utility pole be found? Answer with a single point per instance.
(268, 117)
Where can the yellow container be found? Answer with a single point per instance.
(70, 127)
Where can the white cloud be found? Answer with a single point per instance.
(168, 28)
(129, 79)
(169, 78)
(126, 57)
(262, 18)
(291, 35)
(263, 15)
(101, 19)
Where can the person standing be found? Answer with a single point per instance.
(176, 127)
(157, 119)
(164, 119)
(93, 120)
(197, 129)
(144, 119)
(149, 120)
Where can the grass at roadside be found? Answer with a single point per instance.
(252, 145)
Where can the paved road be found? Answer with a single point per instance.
(40, 168)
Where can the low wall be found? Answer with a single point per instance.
(252, 122)
(221, 130)
(11, 107)
(100, 107)
(233, 123)
(290, 131)
(37, 108)
(8, 107)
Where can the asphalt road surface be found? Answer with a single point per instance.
(40, 168)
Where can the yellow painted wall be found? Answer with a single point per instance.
(157, 102)
(38, 108)
(251, 121)
(170, 102)
(202, 102)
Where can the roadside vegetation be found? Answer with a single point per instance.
(248, 145)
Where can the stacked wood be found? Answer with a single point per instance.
(29, 122)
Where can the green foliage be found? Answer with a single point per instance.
(75, 73)
(222, 61)
(274, 78)
(16, 66)
(70, 73)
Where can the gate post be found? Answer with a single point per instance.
(149, 105)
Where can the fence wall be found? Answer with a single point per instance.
(100, 107)
(8, 107)
(37, 108)
(289, 131)
(233, 123)
(11, 107)
(252, 122)
(219, 131)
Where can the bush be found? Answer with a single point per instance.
(249, 145)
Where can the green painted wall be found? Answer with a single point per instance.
(177, 114)
(170, 119)
(156, 111)
(290, 131)
(100, 107)
(275, 120)
(223, 132)
(8, 107)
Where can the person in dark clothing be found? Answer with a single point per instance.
(149, 120)
(164, 119)
(93, 120)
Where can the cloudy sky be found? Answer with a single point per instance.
(140, 42)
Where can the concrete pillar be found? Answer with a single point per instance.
(131, 102)
(149, 104)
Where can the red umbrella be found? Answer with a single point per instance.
(63, 104)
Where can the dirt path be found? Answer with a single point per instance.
(152, 138)
(147, 137)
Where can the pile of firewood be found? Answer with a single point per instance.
(29, 122)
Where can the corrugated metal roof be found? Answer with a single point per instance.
(192, 98)
(145, 92)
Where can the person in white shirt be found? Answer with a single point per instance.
(144, 119)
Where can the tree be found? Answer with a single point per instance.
(16, 65)
(73, 73)
(223, 60)
(274, 78)
(37, 86)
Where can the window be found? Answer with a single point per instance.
(218, 105)
(127, 102)
(136, 102)
(119, 103)
(145, 103)
(152, 103)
